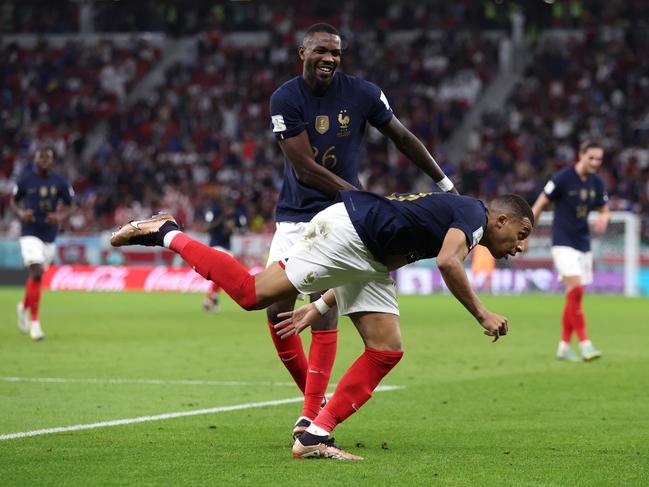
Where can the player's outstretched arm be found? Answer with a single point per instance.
(411, 147)
(539, 205)
(298, 151)
(450, 262)
(297, 320)
(602, 221)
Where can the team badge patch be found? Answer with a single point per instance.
(322, 124)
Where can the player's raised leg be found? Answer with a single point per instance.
(250, 292)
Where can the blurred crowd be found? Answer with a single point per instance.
(591, 85)
(202, 137)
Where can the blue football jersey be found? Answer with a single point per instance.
(335, 123)
(413, 224)
(42, 195)
(573, 199)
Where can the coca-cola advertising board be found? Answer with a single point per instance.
(122, 278)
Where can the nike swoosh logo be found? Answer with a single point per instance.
(136, 223)
(311, 371)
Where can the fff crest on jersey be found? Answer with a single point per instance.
(322, 123)
(43, 191)
(583, 194)
(343, 123)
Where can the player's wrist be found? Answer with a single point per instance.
(321, 306)
(445, 184)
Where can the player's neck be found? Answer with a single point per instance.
(581, 171)
(317, 88)
(42, 174)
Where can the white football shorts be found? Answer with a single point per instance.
(330, 254)
(286, 235)
(35, 251)
(572, 262)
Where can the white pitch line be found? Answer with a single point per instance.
(63, 380)
(159, 417)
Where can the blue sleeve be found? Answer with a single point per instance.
(19, 189)
(375, 103)
(601, 198)
(553, 187)
(471, 220)
(286, 114)
(66, 192)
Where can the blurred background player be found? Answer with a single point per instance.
(319, 120)
(350, 248)
(42, 200)
(221, 220)
(575, 191)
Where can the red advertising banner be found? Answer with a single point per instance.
(121, 278)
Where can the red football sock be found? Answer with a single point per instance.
(291, 353)
(356, 386)
(219, 267)
(566, 320)
(577, 313)
(32, 297)
(322, 355)
(215, 288)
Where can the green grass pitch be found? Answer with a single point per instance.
(470, 413)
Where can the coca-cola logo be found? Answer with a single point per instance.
(103, 278)
(184, 280)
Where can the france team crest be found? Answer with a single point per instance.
(322, 124)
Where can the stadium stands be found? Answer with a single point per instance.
(203, 132)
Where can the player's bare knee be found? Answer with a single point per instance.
(278, 307)
(328, 321)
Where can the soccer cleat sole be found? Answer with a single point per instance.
(321, 451)
(140, 232)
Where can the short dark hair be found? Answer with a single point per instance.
(590, 144)
(515, 205)
(321, 27)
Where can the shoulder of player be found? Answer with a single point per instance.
(349, 82)
(288, 87)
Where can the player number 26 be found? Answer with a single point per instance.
(328, 159)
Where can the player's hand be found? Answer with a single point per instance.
(599, 227)
(52, 218)
(27, 216)
(495, 325)
(296, 320)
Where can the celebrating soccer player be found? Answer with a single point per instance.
(349, 250)
(319, 120)
(42, 200)
(575, 191)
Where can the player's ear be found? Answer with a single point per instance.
(301, 52)
(502, 219)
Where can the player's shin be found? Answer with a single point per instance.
(356, 386)
(322, 355)
(291, 353)
(216, 266)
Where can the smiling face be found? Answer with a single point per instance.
(506, 234)
(320, 53)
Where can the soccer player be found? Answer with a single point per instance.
(319, 120)
(221, 221)
(575, 191)
(349, 250)
(42, 200)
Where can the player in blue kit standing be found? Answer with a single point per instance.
(349, 250)
(319, 120)
(42, 200)
(575, 191)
